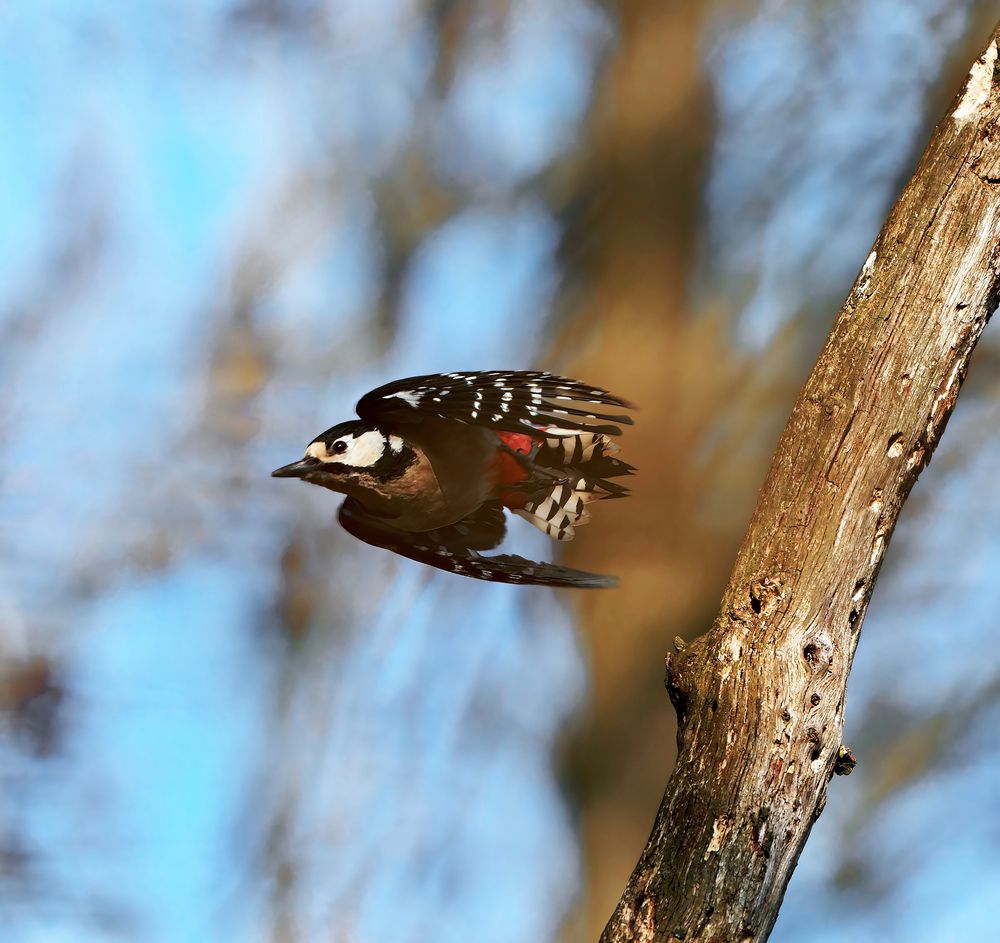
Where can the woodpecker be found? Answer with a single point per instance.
(434, 461)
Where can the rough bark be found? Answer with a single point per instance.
(760, 698)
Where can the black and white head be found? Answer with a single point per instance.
(347, 456)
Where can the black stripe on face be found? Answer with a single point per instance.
(393, 464)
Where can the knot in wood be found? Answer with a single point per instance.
(761, 600)
(818, 652)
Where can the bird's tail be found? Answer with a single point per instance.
(572, 470)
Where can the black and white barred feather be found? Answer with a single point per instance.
(509, 400)
(582, 465)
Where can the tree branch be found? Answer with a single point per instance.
(760, 698)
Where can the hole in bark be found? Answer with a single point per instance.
(755, 603)
(815, 699)
(852, 619)
(715, 704)
(785, 716)
(896, 446)
(674, 683)
(812, 735)
(811, 654)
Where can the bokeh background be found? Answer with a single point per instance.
(221, 222)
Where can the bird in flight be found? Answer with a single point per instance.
(434, 460)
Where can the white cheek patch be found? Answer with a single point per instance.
(362, 451)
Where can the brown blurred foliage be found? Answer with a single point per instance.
(699, 440)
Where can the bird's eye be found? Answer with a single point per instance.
(339, 446)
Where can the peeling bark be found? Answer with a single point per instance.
(760, 698)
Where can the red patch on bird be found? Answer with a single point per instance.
(507, 470)
(517, 442)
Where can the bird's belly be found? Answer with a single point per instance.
(421, 514)
(420, 502)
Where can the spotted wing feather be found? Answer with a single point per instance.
(507, 400)
(454, 548)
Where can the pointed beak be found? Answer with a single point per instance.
(297, 469)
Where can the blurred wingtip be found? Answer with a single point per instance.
(602, 582)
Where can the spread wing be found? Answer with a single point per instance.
(507, 400)
(455, 548)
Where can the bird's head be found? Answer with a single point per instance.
(346, 457)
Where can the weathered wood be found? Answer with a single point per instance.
(760, 698)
